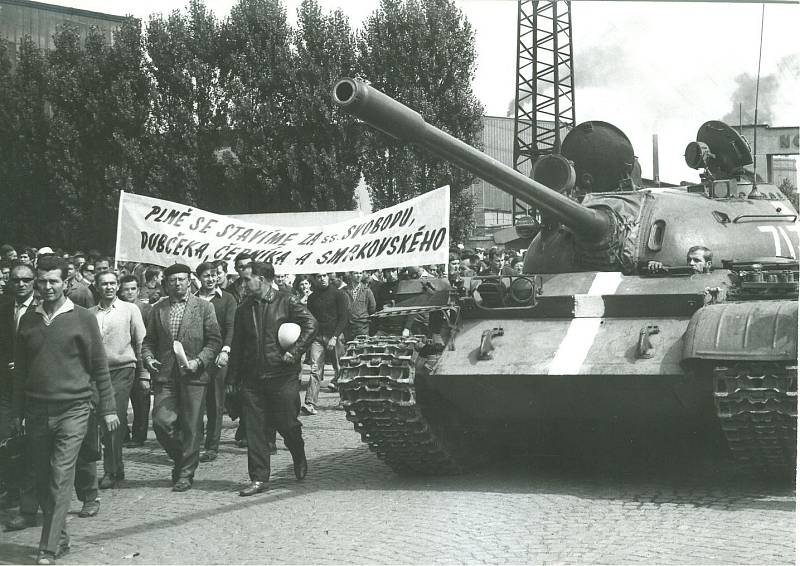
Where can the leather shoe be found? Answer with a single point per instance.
(208, 456)
(20, 522)
(107, 482)
(273, 448)
(253, 488)
(89, 509)
(332, 387)
(301, 468)
(308, 410)
(183, 484)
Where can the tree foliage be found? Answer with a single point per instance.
(24, 131)
(230, 115)
(257, 69)
(99, 99)
(188, 105)
(790, 191)
(328, 142)
(423, 54)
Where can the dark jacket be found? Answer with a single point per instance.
(8, 337)
(236, 289)
(331, 308)
(255, 352)
(225, 309)
(79, 293)
(199, 334)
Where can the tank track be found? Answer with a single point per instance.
(757, 409)
(378, 393)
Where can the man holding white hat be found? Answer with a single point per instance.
(265, 365)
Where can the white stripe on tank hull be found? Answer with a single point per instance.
(583, 329)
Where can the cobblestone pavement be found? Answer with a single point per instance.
(353, 509)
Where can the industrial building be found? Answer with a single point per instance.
(773, 148)
(19, 18)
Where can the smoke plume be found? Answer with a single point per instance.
(745, 94)
(786, 76)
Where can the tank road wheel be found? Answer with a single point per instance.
(378, 392)
(757, 408)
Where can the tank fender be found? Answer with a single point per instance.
(757, 330)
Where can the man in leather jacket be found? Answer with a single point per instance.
(267, 375)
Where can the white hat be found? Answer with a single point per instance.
(45, 250)
(288, 334)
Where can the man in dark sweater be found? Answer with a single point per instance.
(58, 359)
(331, 309)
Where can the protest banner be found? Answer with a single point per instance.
(415, 232)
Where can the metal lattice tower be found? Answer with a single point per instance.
(545, 102)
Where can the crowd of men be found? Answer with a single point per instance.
(82, 337)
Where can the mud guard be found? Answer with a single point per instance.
(756, 330)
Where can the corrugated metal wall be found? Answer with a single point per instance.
(492, 205)
(40, 21)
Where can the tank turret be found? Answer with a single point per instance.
(616, 226)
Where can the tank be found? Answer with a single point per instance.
(610, 321)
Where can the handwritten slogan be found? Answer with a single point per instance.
(161, 232)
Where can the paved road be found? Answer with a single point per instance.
(354, 509)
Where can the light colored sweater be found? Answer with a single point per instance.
(123, 330)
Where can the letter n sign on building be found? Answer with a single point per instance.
(771, 142)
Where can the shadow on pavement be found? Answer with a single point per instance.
(11, 553)
(675, 483)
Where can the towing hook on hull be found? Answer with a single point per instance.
(645, 348)
(486, 347)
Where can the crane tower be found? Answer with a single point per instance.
(545, 102)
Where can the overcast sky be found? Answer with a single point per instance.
(647, 67)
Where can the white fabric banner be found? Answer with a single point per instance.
(415, 232)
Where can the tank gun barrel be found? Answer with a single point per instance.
(397, 120)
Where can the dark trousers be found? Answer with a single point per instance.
(56, 432)
(273, 403)
(140, 401)
(215, 403)
(241, 432)
(178, 423)
(8, 476)
(121, 381)
(357, 328)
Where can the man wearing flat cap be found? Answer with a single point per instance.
(180, 386)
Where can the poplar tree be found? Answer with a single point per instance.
(24, 216)
(257, 73)
(189, 109)
(98, 101)
(422, 54)
(327, 142)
